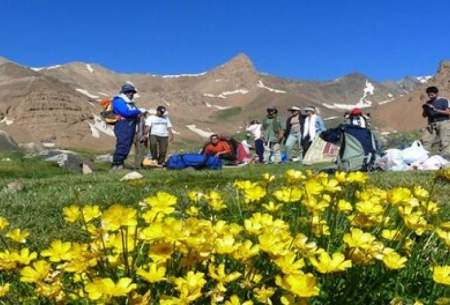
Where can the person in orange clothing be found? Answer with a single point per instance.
(219, 148)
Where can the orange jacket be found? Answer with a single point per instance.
(221, 146)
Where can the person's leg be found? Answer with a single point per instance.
(427, 138)
(163, 143)
(444, 137)
(259, 147)
(121, 151)
(290, 143)
(154, 147)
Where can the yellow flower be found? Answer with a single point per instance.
(441, 274)
(58, 251)
(392, 260)
(357, 177)
(190, 286)
(444, 235)
(391, 234)
(421, 193)
(267, 177)
(3, 223)
(344, 206)
(234, 300)
(327, 264)
(313, 187)
(4, 289)
(35, 274)
(271, 206)
(443, 301)
(215, 201)
(162, 203)
(154, 274)
(399, 195)
(192, 211)
(218, 273)
(91, 212)
(255, 193)
(289, 264)
(264, 294)
(72, 213)
(18, 236)
(196, 196)
(305, 248)
(302, 285)
(289, 194)
(225, 245)
(118, 216)
(444, 173)
(293, 176)
(358, 239)
(24, 257)
(246, 250)
(106, 288)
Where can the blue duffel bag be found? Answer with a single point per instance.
(197, 161)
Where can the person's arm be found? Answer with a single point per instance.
(320, 125)
(225, 149)
(120, 107)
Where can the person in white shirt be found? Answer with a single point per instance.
(255, 128)
(160, 133)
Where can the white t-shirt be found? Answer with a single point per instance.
(159, 125)
(256, 130)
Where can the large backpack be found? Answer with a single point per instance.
(196, 161)
(107, 114)
(358, 147)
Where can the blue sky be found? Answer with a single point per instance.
(320, 40)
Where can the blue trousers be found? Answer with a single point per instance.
(124, 132)
(259, 147)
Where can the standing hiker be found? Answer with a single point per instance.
(273, 129)
(125, 127)
(293, 133)
(160, 133)
(255, 128)
(313, 126)
(437, 111)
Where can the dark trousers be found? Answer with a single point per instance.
(158, 148)
(124, 132)
(259, 147)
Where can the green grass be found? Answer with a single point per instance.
(48, 189)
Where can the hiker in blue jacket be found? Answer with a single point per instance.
(125, 128)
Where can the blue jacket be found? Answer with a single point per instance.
(124, 109)
(320, 125)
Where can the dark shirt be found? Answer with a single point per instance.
(439, 103)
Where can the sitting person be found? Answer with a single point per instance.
(219, 148)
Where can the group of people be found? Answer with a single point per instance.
(269, 136)
(296, 132)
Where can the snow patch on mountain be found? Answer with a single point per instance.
(104, 94)
(98, 126)
(85, 92)
(181, 75)
(89, 68)
(368, 89)
(260, 84)
(200, 132)
(45, 68)
(331, 118)
(217, 106)
(346, 106)
(225, 94)
(6, 121)
(424, 79)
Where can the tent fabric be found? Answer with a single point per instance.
(320, 152)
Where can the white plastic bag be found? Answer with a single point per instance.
(392, 161)
(415, 153)
(433, 163)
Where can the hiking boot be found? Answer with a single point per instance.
(117, 167)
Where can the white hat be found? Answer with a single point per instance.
(309, 108)
(294, 108)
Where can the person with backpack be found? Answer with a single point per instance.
(159, 129)
(437, 112)
(293, 133)
(255, 129)
(127, 114)
(219, 148)
(312, 127)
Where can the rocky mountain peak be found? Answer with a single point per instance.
(239, 63)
